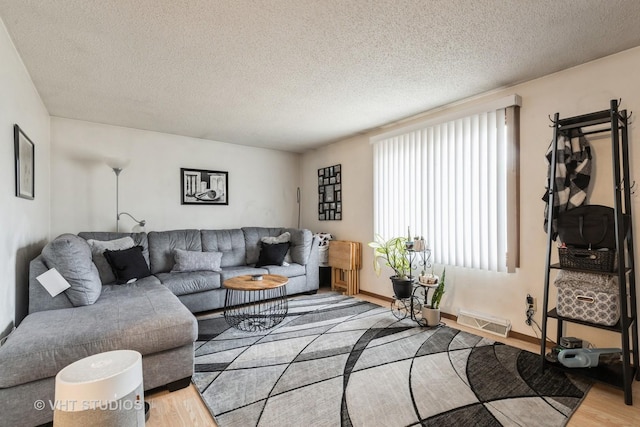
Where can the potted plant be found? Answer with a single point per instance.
(395, 254)
(431, 312)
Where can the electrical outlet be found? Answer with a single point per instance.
(532, 303)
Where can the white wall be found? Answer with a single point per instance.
(262, 183)
(575, 91)
(24, 223)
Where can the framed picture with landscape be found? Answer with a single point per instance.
(204, 187)
(25, 164)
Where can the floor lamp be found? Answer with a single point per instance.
(117, 166)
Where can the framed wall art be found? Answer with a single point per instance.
(204, 187)
(25, 164)
(330, 193)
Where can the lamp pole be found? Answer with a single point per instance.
(117, 172)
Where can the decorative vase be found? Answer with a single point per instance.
(431, 315)
(402, 288)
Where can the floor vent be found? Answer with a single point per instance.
(484, 322)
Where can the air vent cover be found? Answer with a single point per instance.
(484, 322)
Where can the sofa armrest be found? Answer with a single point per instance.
(313, 265)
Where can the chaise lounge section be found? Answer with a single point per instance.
(152, 315)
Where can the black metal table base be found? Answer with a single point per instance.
(255, 310)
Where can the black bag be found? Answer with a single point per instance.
(588, 226)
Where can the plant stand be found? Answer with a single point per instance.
(412, 307)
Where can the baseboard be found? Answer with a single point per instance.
(512, 334)
(371, 294)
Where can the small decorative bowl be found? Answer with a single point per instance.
(256, 277)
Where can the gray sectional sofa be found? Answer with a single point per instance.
(152, 315)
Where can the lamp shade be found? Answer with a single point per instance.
(117, 162)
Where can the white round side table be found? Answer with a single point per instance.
(104, 389)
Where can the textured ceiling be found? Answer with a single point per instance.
(295, 74)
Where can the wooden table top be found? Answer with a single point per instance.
(244, 283)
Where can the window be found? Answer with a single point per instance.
(455, 182)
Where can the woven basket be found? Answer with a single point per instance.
(587, 259)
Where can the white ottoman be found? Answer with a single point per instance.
(104, 389)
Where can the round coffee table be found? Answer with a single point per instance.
(255, 305)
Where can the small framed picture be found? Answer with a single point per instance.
(204, 187)
(328, 193)
(25, 164)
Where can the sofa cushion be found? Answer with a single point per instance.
(97, 254)
(229, 242)
(71, 256)
(186, 261)
(127, 264)
(162, 244)
(229, 272)
(191, 282)
(292, 270)
(272, 254)
(143, 316)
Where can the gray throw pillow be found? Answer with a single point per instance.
(71, 256)
(196, 261)
(97, 254)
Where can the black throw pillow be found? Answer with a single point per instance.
(127, 264)
(272, 254)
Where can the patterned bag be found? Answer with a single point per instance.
(589, 297)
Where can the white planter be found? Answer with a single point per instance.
(431, 315)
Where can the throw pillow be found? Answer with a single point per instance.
(272, 254)
(97, 253)
(196, 261)
(71, 256)
(284, 237)
(128, 264)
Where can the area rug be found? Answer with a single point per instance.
(339, 361)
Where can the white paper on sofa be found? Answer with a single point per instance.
(53, 282)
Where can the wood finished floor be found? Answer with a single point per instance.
(603, 406)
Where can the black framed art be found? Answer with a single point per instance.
(330, 193)
(25, 164)
(204, 187)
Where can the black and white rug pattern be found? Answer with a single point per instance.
(339, 361)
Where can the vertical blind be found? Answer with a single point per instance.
(454, 182)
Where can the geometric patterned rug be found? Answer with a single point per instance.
(339, 361)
